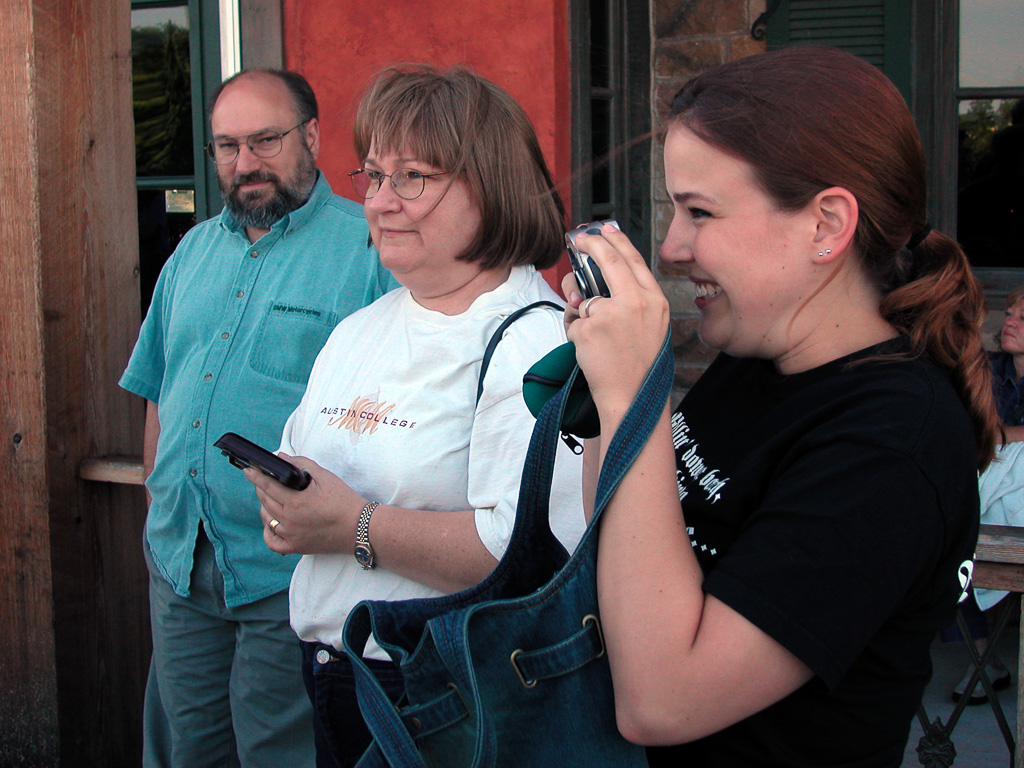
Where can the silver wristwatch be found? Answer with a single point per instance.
(364, 552)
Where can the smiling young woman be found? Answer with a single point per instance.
(774, 567)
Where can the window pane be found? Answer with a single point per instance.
(600, 45)
(162, 92)
(991, 43)
(601, 146)
(990, 216)
(164, 218)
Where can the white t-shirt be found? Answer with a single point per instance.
(389, 408)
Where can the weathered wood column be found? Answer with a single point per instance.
(73, 612)
(28, 684)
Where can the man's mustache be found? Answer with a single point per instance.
(253, 177)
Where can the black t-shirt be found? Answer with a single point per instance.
(834, 509)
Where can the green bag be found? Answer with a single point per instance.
(547, 376)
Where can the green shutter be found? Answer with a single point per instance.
(876, 30)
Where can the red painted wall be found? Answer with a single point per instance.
(522, 45)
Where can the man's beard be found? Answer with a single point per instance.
(251, 210)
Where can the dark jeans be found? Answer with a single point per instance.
(340, 734)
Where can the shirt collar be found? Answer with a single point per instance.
(293, 221)
(1003, 369)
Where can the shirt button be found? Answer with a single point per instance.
(240, 294)
(192, 473)
(322, 656)
(224, 335)
(207, 377)
(195, 423)
(254, 254)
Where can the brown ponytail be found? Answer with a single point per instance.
(940, 310)
(811, 117)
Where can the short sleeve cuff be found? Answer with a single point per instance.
(494, 531)
(140, 387)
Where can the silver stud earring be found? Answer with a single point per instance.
(822, 253)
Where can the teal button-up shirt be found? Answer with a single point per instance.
(227, 346)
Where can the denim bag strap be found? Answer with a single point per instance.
(393, 745)
(466, 693)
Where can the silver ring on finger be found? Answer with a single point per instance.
(585, 306)
(273, 526)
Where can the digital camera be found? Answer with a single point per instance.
(584, 268)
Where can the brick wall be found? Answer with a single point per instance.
(689, 36)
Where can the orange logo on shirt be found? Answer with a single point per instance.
(365, 415)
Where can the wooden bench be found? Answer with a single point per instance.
(113, 469)
(998, 564)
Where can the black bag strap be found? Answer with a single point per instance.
(499, 333)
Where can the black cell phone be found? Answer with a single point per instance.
(245, 453)
(584, 269)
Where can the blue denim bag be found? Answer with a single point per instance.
(511, 672)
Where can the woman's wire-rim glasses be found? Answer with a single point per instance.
(408, 183)
(265, 144)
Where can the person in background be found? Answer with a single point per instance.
(1008, 368)
(1001, 485)
(774, 567)
(239, 313)
(415, 474)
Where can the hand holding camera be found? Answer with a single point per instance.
(584, 268)
(548, 375)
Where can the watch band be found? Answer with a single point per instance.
(363, 550)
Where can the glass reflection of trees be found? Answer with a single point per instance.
(980, 122)
(990, 217)
(161, 85)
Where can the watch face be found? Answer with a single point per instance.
(364, 555)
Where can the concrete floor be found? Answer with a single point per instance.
(977, 739)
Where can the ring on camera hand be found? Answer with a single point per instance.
(273, 526)
(585, 306)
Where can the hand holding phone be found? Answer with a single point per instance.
(584, 268)
(244, 453)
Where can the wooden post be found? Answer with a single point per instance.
(73, 583)
(28, 704)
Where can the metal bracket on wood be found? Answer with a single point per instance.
(760, 28)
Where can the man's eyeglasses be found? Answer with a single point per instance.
(408, 183)
(264, 144)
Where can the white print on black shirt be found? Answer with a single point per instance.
(966, 574)
(691, 465)
(365, 415)
(702, 547)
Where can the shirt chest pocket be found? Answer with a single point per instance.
(288, 340)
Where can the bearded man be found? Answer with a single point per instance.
(239, 313)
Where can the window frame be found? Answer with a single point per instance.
(628, 64)
(942, 159)
(204, 59)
